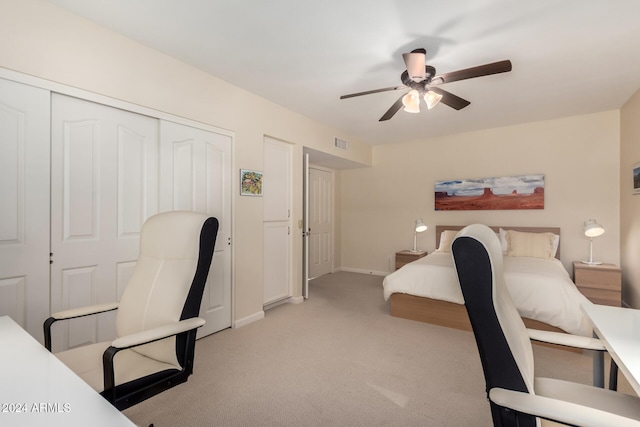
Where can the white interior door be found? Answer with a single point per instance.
(277, 220)
(24, 205)
(103, 187)
(320, 221)
(196, 176)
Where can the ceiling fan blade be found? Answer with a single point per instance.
(393, 110)
(470, 73)
(416, 62)
(453, 101)
(369, 92)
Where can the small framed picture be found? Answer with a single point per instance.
(250, 183)
(636, 178)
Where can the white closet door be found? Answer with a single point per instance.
(24, 205)
(196, 175)
(320, 221)
(277, 220)
(103, 187)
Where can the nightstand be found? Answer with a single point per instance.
(601, 284)
(407, 256)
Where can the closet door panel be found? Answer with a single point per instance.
(184, 185)
(215, 178)
(196, 175)
(13, 298)
(276, 262)
(24, 205)
(277, 190)
(103, 187)
(80, 174)
(12, 174)
(78, 290)
(137, 193)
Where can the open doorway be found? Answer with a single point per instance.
(321, 221)
(320, 215)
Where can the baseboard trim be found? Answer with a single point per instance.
(249, 319)
(296, 300)
(362, 271)
(287, 300)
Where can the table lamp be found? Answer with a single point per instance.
(419, 228)
(592, 229)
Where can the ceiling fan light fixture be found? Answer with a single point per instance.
(418, 77)
(411, 101)
(432, 99)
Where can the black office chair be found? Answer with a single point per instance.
(516, 397)
(157, 317)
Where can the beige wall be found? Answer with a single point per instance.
(579, 157)
(630, 204)
(45, 41)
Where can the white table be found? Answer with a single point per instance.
(37, 389)
(619, 330)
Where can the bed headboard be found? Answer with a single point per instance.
(554, 230)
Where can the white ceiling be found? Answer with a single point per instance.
(569, 57)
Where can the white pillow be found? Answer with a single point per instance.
(446, 239)
(505, 243)
(537, 245)
(502, 234)
(556, 243)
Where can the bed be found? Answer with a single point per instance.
(427, 289)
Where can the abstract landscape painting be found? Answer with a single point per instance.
(250, 183)
(510, 192)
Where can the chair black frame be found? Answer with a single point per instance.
(498, 363)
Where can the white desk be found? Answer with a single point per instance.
(619, 330)
(37, 389)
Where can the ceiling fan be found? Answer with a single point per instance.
(421, 80)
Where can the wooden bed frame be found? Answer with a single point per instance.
(449, 314)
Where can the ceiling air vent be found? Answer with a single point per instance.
(341, 144)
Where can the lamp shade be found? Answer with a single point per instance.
(419, 228)
(592, 228)
(411, 101)
(432, 99)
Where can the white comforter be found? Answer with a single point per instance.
(541, 289)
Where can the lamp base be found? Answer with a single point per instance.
(591, 262)
(416, 251)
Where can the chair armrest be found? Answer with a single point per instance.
(140, 338)
(84, 311)
(158, 333)
(557, 410)
(71, 314)
(568, 340)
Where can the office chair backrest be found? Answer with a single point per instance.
(166, 286)
(502, 340)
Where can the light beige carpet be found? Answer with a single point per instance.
(339, 359)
